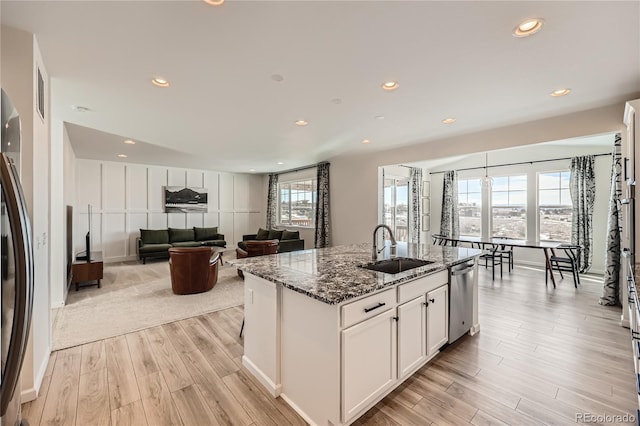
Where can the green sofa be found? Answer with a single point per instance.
(288, 240)
(157, 242)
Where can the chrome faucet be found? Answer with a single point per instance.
(374, 253)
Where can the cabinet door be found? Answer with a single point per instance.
(368, 362)
(437, 319)
(412, 335)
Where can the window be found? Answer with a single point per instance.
(297, 203)
(396, 206)
(554, 206)
(470, 207)
(509, 207)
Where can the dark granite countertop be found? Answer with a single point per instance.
(332, 275)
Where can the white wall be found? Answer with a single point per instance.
(354, 178)
(533, 153)
(20, 57)
(127, 197)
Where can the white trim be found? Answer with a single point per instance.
(273, 389)
(297, 409)
(31, 394)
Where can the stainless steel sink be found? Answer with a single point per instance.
(396, 265)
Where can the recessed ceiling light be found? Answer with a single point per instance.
(379, 117)
(280, 163)
(560, 92)
(277, 77)
(390, 85)
(80, 108)
(336, 101)
(122, 155)
(528, 27)
(301, 123)
(160, 82)
(366, 141)
(450, 120)
(214, 2)
(130, 142)
(252, 170)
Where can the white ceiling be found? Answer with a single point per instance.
(223, 110)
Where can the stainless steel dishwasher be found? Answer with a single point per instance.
(460, 300)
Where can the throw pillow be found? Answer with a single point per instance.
(206, 234)
(177, 235)
(263, 234)
(275, 234)
(154, 236)
(290, 235)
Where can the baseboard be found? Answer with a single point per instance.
(474, 330)
(273, 389)
(58, 304)
(120, 259)
(297, 409)
(31, 394)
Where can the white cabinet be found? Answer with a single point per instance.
(368, 362)
(437, 319)
(412, 335)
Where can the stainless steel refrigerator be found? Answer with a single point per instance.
(16, 267)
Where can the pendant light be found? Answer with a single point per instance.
(487, 180)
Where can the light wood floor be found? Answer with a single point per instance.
(542, 357)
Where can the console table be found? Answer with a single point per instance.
(83, 272)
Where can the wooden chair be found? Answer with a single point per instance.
(570, 262)
(193, 269)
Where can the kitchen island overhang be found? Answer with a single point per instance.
(333, 338)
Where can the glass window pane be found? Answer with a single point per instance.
(549, 197)
(474, 185)
(500, 198)
(500, 183)
(518, 198)
(565, 197)
(548, 180)
(518, 183)
(462, 186)
(509, 222)
(565, 179)
(474, 199)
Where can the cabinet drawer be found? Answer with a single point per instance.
(422, 286)
(368, 307)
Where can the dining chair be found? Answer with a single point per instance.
(507, 254)
(491, 257)
(570, 262)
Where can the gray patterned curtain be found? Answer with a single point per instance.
(322, 207)
(415, 197)
(611, 284)
(583, 191)
(272, 201)
(450, 221)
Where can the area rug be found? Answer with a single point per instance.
(134, 297)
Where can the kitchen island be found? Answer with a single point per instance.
(333, 338)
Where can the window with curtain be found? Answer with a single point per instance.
(297, 203)
(470, 207)
(396, 206)
(509, 207)
(554, 206)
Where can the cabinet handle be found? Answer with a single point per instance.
(379, 305)
(432, 300)
(395, 318)
(635, 335)
(425, 304)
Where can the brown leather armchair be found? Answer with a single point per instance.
(193, 269)
(257, 248)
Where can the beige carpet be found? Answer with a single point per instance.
(134, 297)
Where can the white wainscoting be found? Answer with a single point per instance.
(127, 197)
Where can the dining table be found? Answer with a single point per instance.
(545, 246)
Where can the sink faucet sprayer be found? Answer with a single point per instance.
(374, 253)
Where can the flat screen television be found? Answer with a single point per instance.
(87, 240)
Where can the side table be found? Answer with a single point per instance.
(85, 272)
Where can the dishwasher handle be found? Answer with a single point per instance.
(466, 270)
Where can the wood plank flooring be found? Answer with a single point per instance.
(543, 356)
